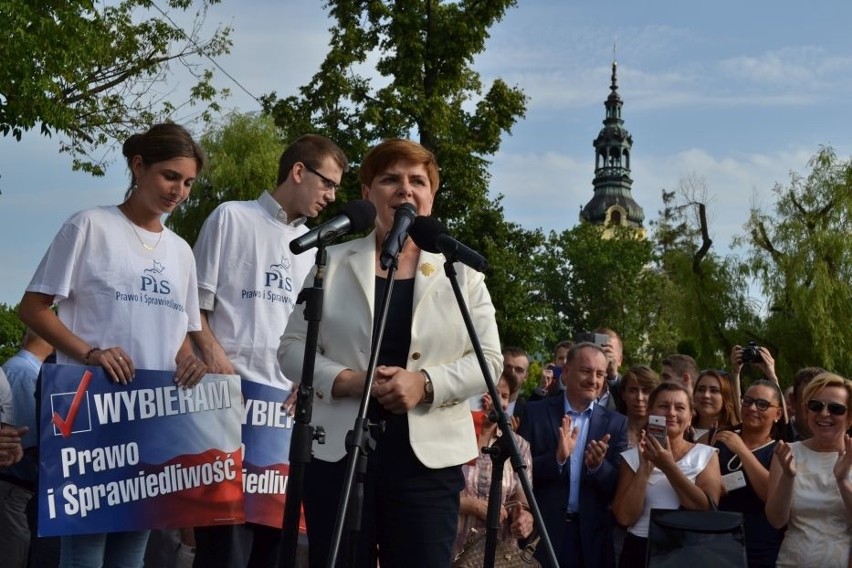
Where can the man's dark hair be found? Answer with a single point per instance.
(514, 352)
(803, 377)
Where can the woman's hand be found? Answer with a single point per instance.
(736, 360)
(659, 455)
(117, 364)
(522, 523)
(645, 465)
(843, 465)
(398, 390)
(784, 454)
(732, 440)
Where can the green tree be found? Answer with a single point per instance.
(592, 280)
(243, 152)
(11, 331)
(85, 70)
(706, 309)
(802, 255)
(424, 50)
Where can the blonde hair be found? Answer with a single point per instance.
(824, 381)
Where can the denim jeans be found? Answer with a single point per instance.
(110, 550)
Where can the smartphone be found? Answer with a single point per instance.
(596, 338)
(657, 428)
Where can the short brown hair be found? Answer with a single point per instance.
(645, 377)
(395, 150)
(803, 377)
(682, 364)
(310, 149)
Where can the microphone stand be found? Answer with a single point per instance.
(303, 433)
(498, 452)
(507, 440)
(360, 441)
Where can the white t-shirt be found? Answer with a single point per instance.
(660, 494)
(248, 281)
(7, 411)
(110, 291)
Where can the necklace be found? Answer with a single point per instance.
(145, 245)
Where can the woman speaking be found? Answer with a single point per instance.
(426, 371)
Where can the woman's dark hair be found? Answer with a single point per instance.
(728, 414)
(778, 428)
(161, 142)
(668, 386)
(645, 377)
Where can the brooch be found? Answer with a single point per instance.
(427, 269)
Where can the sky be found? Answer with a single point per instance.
(734, 95)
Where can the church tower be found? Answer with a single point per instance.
(613, 203)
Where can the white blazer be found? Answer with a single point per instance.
(441, 434)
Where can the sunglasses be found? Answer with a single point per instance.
(761, 403)
(834, 408)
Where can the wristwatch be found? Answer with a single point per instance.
(428, 389)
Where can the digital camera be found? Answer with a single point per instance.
(751, 353)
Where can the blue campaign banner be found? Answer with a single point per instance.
(267, 429)
(145, 455)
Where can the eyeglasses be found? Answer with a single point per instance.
(761, 403)
(834, 408)
(329, 184)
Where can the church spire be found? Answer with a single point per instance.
(613, 203)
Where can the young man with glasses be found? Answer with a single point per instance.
(248, 281)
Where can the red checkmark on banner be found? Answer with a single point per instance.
(65, 425)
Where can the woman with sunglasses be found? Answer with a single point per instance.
(810, 482)
(745, 453)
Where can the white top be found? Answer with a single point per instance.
(660, 494)
(110, 291)
(248, 281)
(818, 532)
(7, 411)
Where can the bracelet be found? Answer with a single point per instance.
(89, 354)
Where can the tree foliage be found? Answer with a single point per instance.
(593, 280)
(423, 51)
(86, 70)
(802, 255)
(242, 152)
(706, 310)
(11, 331)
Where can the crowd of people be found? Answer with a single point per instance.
(596, 468)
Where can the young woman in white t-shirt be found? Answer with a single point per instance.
(652, 475)
(125, 291)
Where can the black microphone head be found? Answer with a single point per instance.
(425, 232)
(361, 213)
(408, 210)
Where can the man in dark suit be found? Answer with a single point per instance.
(575, 445)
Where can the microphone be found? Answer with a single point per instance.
(354, 216)
(402, 220)
(431, 235)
